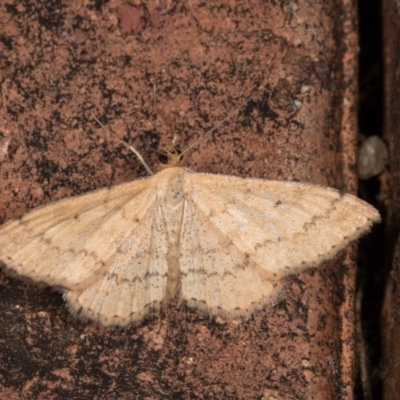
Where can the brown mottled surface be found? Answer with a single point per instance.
(390, 365)
(61, 62)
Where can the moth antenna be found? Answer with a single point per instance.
(131, 148)
(213, 129)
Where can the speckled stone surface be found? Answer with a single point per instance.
(61, 62)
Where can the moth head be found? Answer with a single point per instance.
(170, 158)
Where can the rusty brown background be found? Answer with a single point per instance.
(61, 61)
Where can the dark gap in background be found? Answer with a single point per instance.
(370, 277)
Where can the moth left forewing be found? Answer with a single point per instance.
(283, 226)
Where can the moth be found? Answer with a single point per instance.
(220, 244)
